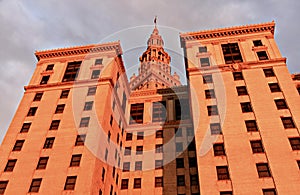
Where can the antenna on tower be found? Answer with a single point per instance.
(155, 21)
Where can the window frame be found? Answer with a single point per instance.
(70, 182)
(42, 163)
(35, 185)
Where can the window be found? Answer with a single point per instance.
(49, 142)
(158, 164)
(158, 148)
(91, 91)
(242, 90)
(238, 76)
(222, 172)
(194, 180)
(190, 131)
(70, 183)
(262, 55)
(159, 111)
(137, 183)
(204, 62)
(84, 122)
(136, 113)
(179, 147)
(127, 151)
(159, 134)
(192, 162)
(207, 79)
(128, 136)
(246, 107)
(103, 174)
(298, 89)
(295, 143)
(98, 61)
(179, 163)
(215, 129)
(269, 192)
(25, 127)
(257, 43)
(3, 185)
(72, 71)
(288, 122)
(42, 163)
(10, 165)
(64, 94)
(203, 49)
(106, 154)
(219, 149)
(257, 146)
(251, 125)
(269, 72)
(111, 120)
(124, 184)
(50, 67)
(192, 146)
(60, 108)
(45, 80)
(38, 97)
(80, 139)
(32, 111)
(281, 104)
(180, 180)
(54, 125)
(35, 185)
(88, 105)
(263, 170)
(226, 193)
(159, 181)
(140, 135)
(18, 145)
(274, 87)
(212, 110)
(231, 53)
(75, 160)
(95, 74)
(209, 94)
(138, 165)
(111, 189)
(139, 150)
(182, 110)
(178, 132)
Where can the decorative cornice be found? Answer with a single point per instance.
(172, 90)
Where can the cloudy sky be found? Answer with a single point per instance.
(31, 25)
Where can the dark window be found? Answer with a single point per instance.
(180, 180)
(10, 165)
(159, 134)
(137, 183)
(80, 139)
(108, 136)
(158, 148)
(98, 61)
(251, 125)
(111, 189)
(38, 97)
(75, 160)
(159, 181)
(72, 71)
(298, 89)
(138, 165)
(207, 79)
(210, 93)
(111, 120)
(127, 151)
(128, 136)
(88, 105)
(179, 163)
(178, 132)
(179, 147)
(124, 98)
(226, 193)
(257, 43)
(136, 113)
(18, 145)
(257, 146)
(192, 162)
(222, 172)
(203, 49)
(159, 111)
(140, 135)
(49, 142)
(242, 90)
(50, 67)
(238, 76)
(42, 163)
(269, 192)
(298, 163)
(84, 122)
(70, 183)
(106, 154)
(103, 174)
(194, 180)
(295, 143)
(60, 108)
(219, 149)
(262, 55)
(281, 104)
(190, 131)
(54, 125)
(269, 72)
(158, 164)
(95, 74)
(288, 122)
(64, 94)
(192, 146)
(263, 170)
(32, 111)
(274, 87)
(92, 91)
(231, 53)
(182, 110)
(3, 185)
(45, 80)
(124, 184)
(25, 127)
(215, 129)
(35, 185)
(204, 62)
(246, 107)
(126, 166)
(139, 150)
(212, 110)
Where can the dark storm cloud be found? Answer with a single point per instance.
(30, 25)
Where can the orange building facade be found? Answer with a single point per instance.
(83, 127)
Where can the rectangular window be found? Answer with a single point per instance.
(241, 90)
(42, 163)
(45, 80)
(126, 166)
(50, 67)
(210, 93)
(226, 193)
(75, 160)
(106, 154)
(64, 94)
(274, 87)
(54, 125)
(95, 74)
(192, 146)
(190, 131)
(140, 135)
(182, 109)
(18, 145)
(212, 110)
(80, 139)
(124, 184)
(49, 142)
(138, 165)
(128, 136)
(32, 111)
(231, 53)
(251, 125)
(25, 127)
(159, 134)
(137, 183)
(207, 79)
(246, 107)
(281, 104)
(98, 61)
(158, 164)
(295, 143)
(3, 185)
(10, 165)
(298, 89)
(202, 49)
(35, 185)
(269, 191)
(257, 146)
(238, 76)
(103, 174)
(60, 108)
(288, 122)
(219, 149)
(192, 162)
(88, 105)
(179, 163)
(139, 150)
(158, 148)
(180, 180)
(178, 132)
(127, 151)
(222, 172)
(70, 183)
(204, 62)
(262, 55)
(72, 71)
(159, 111)
(257, 43)
(91, 91)
(179, 147)
(38, 97)
(269, 72)
(159, 181)
(194, 180)
(84, 122)
(215, 129)
(136, 113)
(263, 170)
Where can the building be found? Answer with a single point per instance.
(83, 128)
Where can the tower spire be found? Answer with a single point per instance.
(155, 21)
